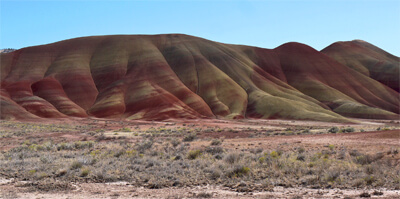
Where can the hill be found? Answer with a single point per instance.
(368, 60)
(157, 77)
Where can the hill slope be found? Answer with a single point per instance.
(157, 77)
(368, 60)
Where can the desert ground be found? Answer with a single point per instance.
(103, 158)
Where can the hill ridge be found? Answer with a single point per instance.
(157, 77)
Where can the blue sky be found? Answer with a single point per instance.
(267, 24)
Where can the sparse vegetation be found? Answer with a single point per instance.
(216, 142)
(193, 154)
(112, 162)
(333, 130)
(190, 137)
(348, 130)
(165, 161)
(125, 129)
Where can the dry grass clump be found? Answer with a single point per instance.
(231, 158)
(190, 137)
(216, 142)
(193, 154)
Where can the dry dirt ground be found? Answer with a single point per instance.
(124, 190)
(369, 136)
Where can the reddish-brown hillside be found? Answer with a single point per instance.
(156, 77)
(368, 60)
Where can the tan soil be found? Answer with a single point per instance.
(125, 190)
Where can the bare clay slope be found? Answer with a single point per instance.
(156, 77)
(368, 60)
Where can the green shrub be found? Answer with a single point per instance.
(238, 171)
(125, 129)
(333, 130)
(301, 157)
(190, 137)
(348, 130)
(33, 171)
(306, 131)
(275, 154)
(193, 154)
(364, 159)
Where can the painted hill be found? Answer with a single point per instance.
(156, 77)
(368, 60)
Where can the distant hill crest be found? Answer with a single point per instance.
(7, 50)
